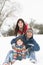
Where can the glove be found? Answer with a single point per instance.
(13, 45)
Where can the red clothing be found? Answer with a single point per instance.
(24, 31)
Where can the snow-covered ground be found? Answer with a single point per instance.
(5, 46)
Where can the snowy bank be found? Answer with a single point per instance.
(5, 46)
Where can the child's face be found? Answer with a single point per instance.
(19, 42)
(29, 34)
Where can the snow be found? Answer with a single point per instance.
(5, 46)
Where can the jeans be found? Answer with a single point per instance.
(9, 57)
(31, 55)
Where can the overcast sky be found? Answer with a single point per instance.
(32, 9)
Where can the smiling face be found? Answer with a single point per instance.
(19, 42)
(20, 24)
(29, 34)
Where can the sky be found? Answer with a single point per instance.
(32, 9)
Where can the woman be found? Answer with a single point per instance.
(20, 28)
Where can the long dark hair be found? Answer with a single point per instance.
(17, 27)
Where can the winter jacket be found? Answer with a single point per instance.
(22, 32)
(28, 43)
(20, 51)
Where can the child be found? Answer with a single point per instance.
(18, 52)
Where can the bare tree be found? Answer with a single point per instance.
(32, 25)
(8, 8)
(37, 28)
(32, 21)
(2, 2)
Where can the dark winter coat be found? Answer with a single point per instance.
(28, 43)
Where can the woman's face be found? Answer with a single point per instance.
(20, 24)
(29, 34)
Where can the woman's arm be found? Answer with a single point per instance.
(36, 46)
(13, 43)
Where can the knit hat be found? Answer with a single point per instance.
(29, 30)
(19, 38)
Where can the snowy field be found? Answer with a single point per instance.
(5, 46)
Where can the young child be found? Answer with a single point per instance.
(18, 52)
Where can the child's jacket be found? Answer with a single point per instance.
(20, 50)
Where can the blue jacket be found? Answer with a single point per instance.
(35, 46)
